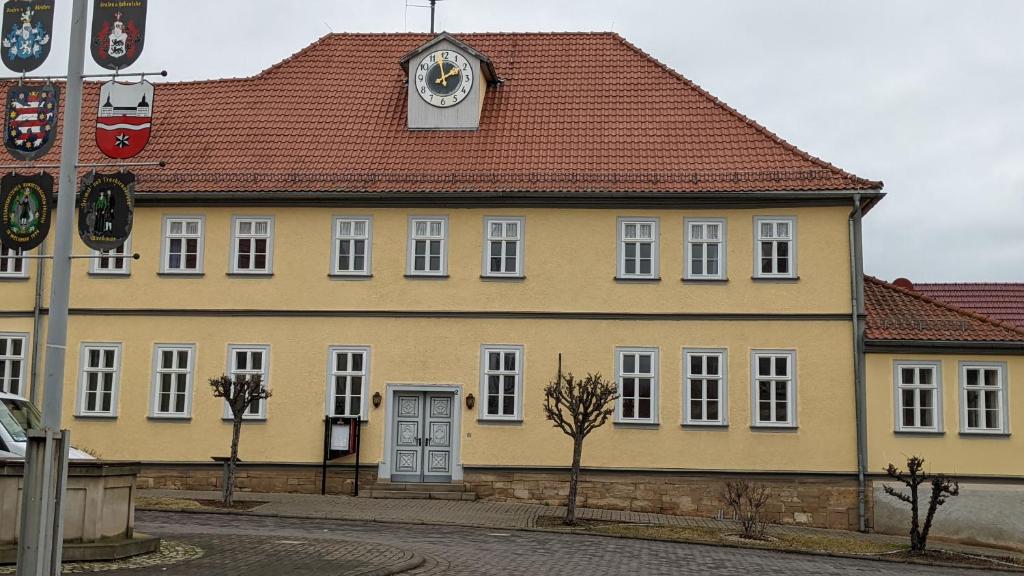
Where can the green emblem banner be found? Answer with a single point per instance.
(25, 204)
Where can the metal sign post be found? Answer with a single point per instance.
(41, 542)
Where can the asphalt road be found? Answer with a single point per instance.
(278, 546)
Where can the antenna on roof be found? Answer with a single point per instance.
(433, 11)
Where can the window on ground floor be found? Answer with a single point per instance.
(637, 378)
(172, 380)
(13, 350)
(98, 379)
(918, 390)
(983, 398)
(348, 381)
(704, 387)
(501, 382)
(774, 394)
(246, 360)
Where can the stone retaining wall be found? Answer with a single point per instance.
(296, 479)
(819, 501)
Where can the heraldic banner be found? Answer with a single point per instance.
(106, 209)
(30, 125)
(124, 120)
(118, 32)
(25, 200)
(26, 34)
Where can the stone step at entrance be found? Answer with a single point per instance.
(416, 491)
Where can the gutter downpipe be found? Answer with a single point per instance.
(33, 391)
(857, 297)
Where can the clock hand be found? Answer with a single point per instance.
(443, 78)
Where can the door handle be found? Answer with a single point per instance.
(426, 441)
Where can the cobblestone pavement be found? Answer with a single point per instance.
(453, 550)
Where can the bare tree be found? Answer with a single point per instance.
(578, 407)
(747, 502)
(241, 393)
(942, 489)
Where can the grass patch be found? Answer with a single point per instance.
(162, 503)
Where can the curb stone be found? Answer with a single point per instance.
(578, 532)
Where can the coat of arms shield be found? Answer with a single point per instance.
(27, 25)
(106, 209)
(30, 123)
(25, 210)
(124, 121)
(118, 32)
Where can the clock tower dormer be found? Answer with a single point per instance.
(447, 82)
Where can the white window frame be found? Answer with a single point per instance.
(8, 358)
(237, 236)
(265, 349)
(518, 239)
(165, 255)
(159, 370)
(723, 386)
(124, 253)
(898, 387)
(791, 395)
(337, 238)
(792, 240)
(689, 241)
(655, 242)
(413, 238)
(485, 373)
(7, 258)
(332, 372)
(1003, 404)
(654, 375)
(84, 369)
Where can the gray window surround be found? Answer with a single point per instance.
(410, 256)
(620, 266)
(793, 245)
(265, 348)
(233, 264)
(723, 392)
(517, 415)
(335, 238)
(7, 275)
(1004, 404)
(23, 358)
(366, 351)
(165, 242)
(654, 420)
(154, 399)
(792, 399)
(83, 359)
(520, 247)
(723, 251)
(126, 270)
(898, 426)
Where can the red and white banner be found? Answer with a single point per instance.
(125, 118)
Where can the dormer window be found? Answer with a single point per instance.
(447, 83)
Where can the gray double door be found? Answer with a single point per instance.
(422, 436)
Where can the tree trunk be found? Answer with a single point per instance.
(915, 524)
(574, 480)
(229, 483)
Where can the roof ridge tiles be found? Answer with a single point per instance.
(963, 312)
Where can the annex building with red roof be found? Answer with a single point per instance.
(418, 233)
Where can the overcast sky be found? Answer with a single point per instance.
(926, 95)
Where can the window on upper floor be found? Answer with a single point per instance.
(774, 394)
(705, 249)
(983, 398)
(348, 381)
(13, 349)
(637, 378)
(11, 264)
(183, 245)
(352, 246)
(172, 380)
(249, 361)
(503, 251)
(776, 247)
(428, 246)
(98, 380)
(705, 396)
(252, 245)
(638, 248)
(113, 262)
(918, 391)
(501, 382)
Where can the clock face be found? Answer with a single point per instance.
(444, 78)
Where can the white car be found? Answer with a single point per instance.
(16, 416)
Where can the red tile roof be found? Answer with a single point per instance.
(575, 112)
(895, 313)
(1001, 301)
